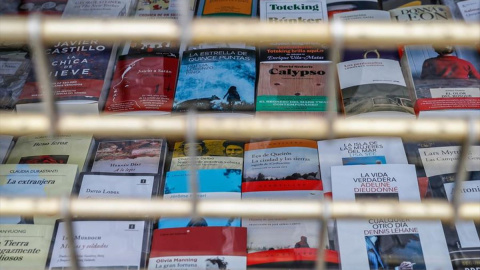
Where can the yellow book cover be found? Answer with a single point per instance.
(24, 246)
(35, 180)
(67, 149)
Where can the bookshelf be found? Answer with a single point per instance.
(38, 31)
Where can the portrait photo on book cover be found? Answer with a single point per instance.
(444, 67)
(395, 252)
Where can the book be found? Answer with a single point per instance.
(14, 69)
(81, 69)
(292, 75)
(393, 4)
(222, 8)
(463, 237)
(379, 243)
(288, 170)
(129, 156)
(199, 248)
(374, 88)
(143, 84)
(65, 149)
(46, 7)
(216, 80)
(421, 13)
(24, 246)
(101, 185)
(115, 244)
(357, 151)
(210, 154)
(161, 9)
(213, 184)
(339, 6)
(35, 180)
(6, 144)
(470, 10)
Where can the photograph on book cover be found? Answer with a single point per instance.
(445, 71)
(128, 156)
(364, 160)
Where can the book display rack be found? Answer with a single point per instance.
(41, 31)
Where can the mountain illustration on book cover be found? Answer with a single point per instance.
(216, 80)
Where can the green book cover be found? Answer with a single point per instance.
(35, 180)
(67, 149)
(24, 246)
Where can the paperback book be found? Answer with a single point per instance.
(98, 9)
(129, 156)
(209, 154)
(46, 7)
(288, 170)
(159, 9)
(470, 10)
(14, 69)
(357, 151)
(340, 6)
(215, 184)
(393, 4)
(24, 246)
(100, 185)
(65, 149)
(199, 248)
(216, 80)
(226, 8)
(101, 244)
(35, 180)
(386, 243)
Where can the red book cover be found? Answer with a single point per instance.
(143, 83)
(199, 248)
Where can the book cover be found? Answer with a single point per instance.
(292, 87)
(101, 244)
(143, 83)
(210, 154)
(339, 6)
(284, 11)
(99, 185)
(98, 9)
(129, 156)
(168, 9)
(35, 180)
(199, 248)
(46, 7)
(216, 80)
(358, 151)
(443, 77)
(214, 184)
(6, 144)
(24, 246)
(393, 4)
(423, 13)
(65, 149)
(230, 8)
(288, 170)
(386, 243)
(470, 10)
(374, 87)
(14, 69)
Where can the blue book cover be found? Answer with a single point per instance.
(216, 80)
(213, 184)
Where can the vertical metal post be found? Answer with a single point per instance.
(67, 220)
(462, 173)
(192, 156)
(42, 70)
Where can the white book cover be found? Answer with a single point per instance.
(443, 160)
(5, 145)
(363, 15)
(116, 186)
(161, 9)
(358, 151)
(98, 8)
(114, 244)
(378, 243)
(468, 231)
(286, 11)
(470, 10)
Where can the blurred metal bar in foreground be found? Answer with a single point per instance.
(242, 128)
(14, 29)
(132, 208)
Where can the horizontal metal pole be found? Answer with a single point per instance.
(225, 127)
(135, 208)
(14, 29)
